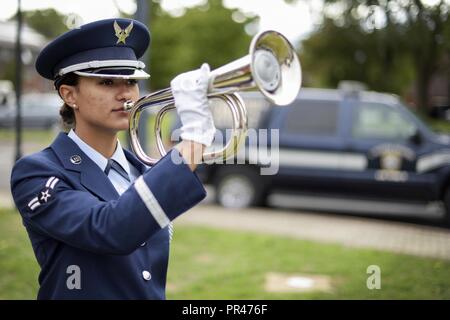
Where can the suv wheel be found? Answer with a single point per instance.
(239, 187)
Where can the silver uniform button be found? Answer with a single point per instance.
(143, 244)
(146, 275)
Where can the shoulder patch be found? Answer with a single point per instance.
(45, 195)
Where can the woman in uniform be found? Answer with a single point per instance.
(98, 219)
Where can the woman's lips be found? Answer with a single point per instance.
(121, 112)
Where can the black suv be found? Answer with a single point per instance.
(338, 144)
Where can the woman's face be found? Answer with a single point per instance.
(100, 102)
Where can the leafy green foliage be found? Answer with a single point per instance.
(388, 44)
(337, 53)
(48, 22)
(203, 34)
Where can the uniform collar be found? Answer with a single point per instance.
(92, 177)
(97, 157)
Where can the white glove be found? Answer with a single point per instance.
(190, 94)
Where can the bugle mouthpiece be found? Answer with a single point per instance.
(127, 105)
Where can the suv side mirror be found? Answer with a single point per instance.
(416, 137)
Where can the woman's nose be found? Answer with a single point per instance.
(126, 92)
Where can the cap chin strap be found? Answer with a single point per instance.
(100, 64)
(138, 74)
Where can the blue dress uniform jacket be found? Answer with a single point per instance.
(76, 221)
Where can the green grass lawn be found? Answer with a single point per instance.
(215, 264)
(29, 135)
(18, 267)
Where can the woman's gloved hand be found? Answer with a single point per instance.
(190, 94)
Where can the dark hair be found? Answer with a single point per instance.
(67, 114)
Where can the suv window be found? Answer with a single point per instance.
(255, 107)
(308, 117)
(379, 121)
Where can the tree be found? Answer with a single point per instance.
(386, 43)
(336, 53)
(48, 22)
(205, 33)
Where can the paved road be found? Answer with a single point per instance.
(393, 236)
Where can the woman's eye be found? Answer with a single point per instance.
(107, 82)
(132, 82)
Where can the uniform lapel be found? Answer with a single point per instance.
(91, 176)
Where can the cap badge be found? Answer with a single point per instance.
(122, 34)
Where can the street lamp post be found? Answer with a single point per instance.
(18, 84)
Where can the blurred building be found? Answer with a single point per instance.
(32, 43)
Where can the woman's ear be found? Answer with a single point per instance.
(68, 94)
